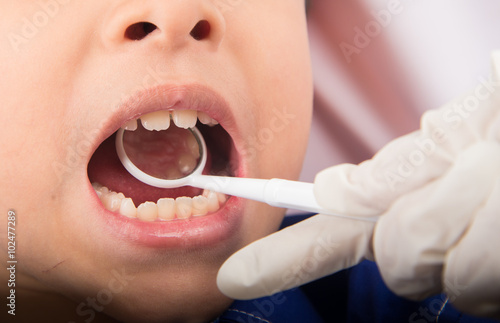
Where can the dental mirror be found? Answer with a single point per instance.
(165, 159)
(176, 157)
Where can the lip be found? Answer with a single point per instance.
(196, 232)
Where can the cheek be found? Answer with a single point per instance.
(285, 125)
(261, 220)
(286, 80)
(37, 79)
(36, 138)
(288, 136)
(33, 149)
(35, 160)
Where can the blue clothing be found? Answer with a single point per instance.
(286, 307)
(371, 301)
(354, 295)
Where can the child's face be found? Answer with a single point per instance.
(73, 72)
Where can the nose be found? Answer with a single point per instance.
(170, 24)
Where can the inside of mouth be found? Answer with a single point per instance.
(106, 169)
(169, 154)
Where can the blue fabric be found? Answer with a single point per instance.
(371, 301)
(287, 307)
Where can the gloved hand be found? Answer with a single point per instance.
(437, 192)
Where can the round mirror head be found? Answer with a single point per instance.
(164, 158)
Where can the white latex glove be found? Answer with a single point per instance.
(437, 192)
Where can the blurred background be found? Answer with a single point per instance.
(379, 64)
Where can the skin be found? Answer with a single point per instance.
(60, 80)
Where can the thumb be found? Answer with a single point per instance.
(299, 254)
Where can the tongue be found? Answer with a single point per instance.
(106, 169)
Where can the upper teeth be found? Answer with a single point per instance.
(160, 120)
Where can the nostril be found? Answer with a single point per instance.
(201, 30)
(139, 30)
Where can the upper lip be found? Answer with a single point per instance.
(168, 97)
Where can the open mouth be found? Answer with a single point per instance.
(126, 196)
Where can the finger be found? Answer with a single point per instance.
(472, 270)
(293, 256)
(411, 240)
(370, 188)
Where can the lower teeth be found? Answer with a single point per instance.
(165, 209)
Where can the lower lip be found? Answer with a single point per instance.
(194, 233)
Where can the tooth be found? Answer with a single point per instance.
(99, 194)
(99, 189)
(159, 120)
(203, 117)
(112, 201)
(206, 119)
(193, 146)
(127, 208)
(130, 125)
(200, 206)
(222, 198)
(187, 163)
(147, 211)
(183, 207)
(213, 200)
(166, 209)
(185, 118)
